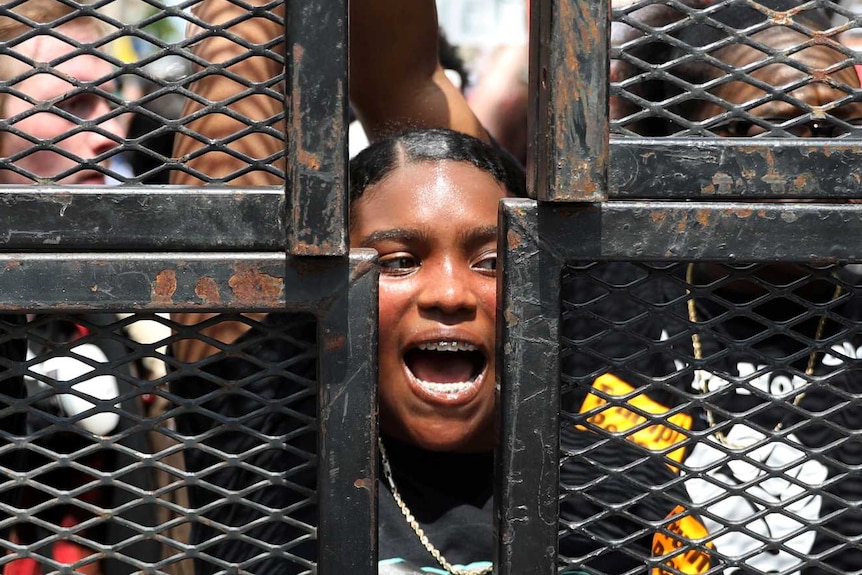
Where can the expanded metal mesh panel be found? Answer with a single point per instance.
(110, 463)
(735, 68)
(118, 74)
(711, 418)
(188, 93)
(194, 450)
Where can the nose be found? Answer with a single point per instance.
(447, 290)
(109, 133)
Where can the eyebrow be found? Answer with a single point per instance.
(479, 235)
(476, 235)
(393, 234)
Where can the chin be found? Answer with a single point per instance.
(453, 437)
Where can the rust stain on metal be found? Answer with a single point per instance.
(682, 224)
(207, 290)
(307, 159)
(743, 213)
(361, 268)
(94, 288)
(335, 343)
(11, 265)
(513, 239)
(801, 181)
(511, 317)
(658, 216)
(781, 18)
(312, 249)
(165, 287)
(251, 286)
(702, 217)
(363, 483)
(723, 183)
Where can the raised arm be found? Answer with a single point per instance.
(396, 81)
(262, 29)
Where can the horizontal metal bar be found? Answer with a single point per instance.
(120, 218)
(677, 168)
(176, 281)
(719, 231)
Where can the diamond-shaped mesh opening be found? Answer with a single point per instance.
(117, 457)
(94, 93)
(735, 68)
(711, 418)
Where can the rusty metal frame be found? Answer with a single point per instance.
(568, 123)
(340, 291)
(537, 240)
(217, 249)
(576, 159)
(316, 218)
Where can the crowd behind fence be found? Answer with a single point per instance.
(677, 351)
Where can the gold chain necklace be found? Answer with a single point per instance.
(702, 383)
(387, 473)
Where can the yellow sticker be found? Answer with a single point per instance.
(681, 531)
(617, 418)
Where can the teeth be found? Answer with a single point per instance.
(447, 346)
(456, 387)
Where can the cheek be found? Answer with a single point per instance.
(488, 298)
(389, 301)
(40, 127)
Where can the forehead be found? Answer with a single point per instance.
(426, 192)
(818, 67)
(44, 48)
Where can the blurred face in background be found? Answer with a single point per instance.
(840, 113)
(69, 142)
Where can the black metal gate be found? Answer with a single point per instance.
(678, 349)
(685, 299)
(93, 433)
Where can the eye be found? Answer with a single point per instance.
(398, 264)
(486, 263)
(84, 106)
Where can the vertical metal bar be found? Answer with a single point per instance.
(347, 480)
(569, 71)
(527, 459)
(316, 215)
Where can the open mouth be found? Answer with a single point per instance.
(445, 367)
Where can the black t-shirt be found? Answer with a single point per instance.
(56, 346)
(450, 495)
(257, 406)
(796, 470)
(782, 494)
